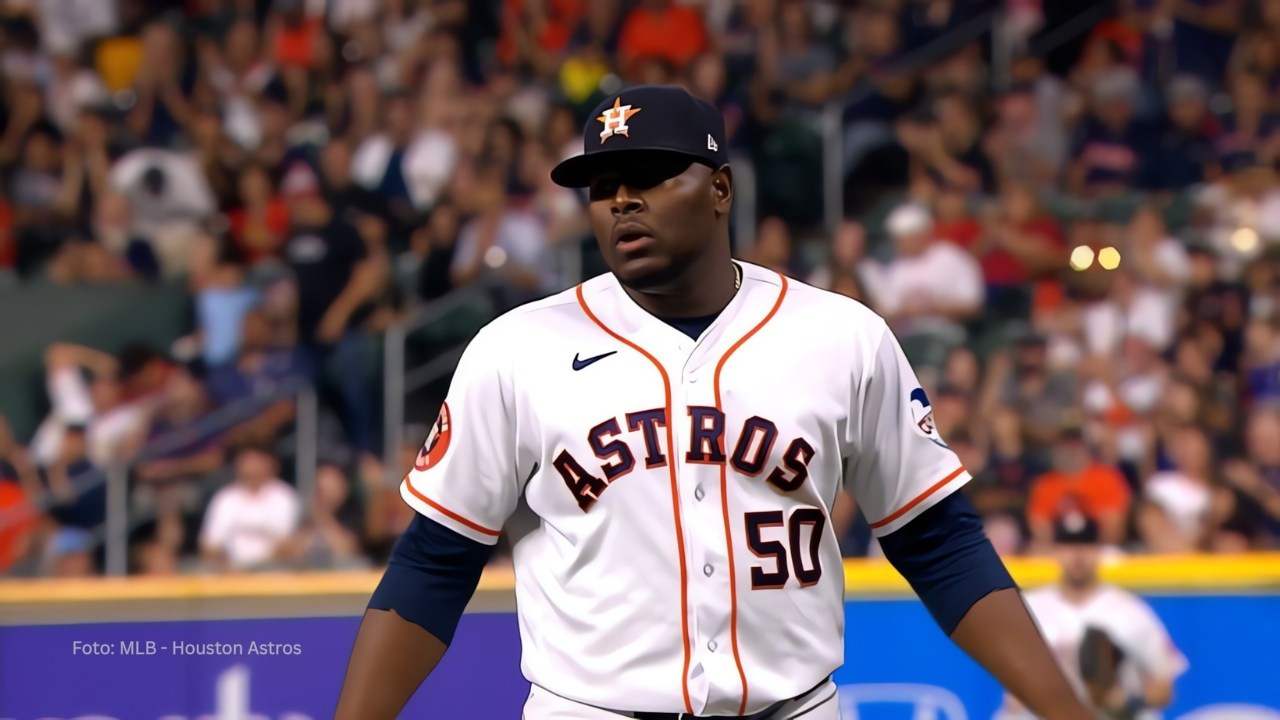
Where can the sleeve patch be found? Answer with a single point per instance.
(922, 415)
(437, 443)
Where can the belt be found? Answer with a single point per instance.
(761, 715)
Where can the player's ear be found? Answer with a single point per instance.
(722, 189)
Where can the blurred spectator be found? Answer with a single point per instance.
(237, 72)
(256, 382)
(434, 245)
(1078, 483)
(259, 225)
(336, 279)
(19, 490)
(945, 142)
(1001, 486)
(329, 536)
(953, 218)
(180, 449)
(1185, 155)
(1260, 363)
(1245, 217)
(1256, 512)
(1252, 125)
(71, 89)
(1214, 308)
(167, 200)
(1027, 142)
(559, 208)
(1026, 380)
(962, 372)
(773, 248)
(931, 286)
(1175, 514)
(65, 24)
(42, 197)
(1131, 310)
(249, 520)
(409, 163)
(386, 515)
(162, 85)
(96, 403)
(77, 504)
(1108, 151)
(842, 269)
(222, 299)
(709, 79)
(537, 32)
(501, 241)
(1159, 260)
(872, 41)
(660, 30)
(795, 72)
(1023, 249)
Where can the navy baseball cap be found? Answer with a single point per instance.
(661, 118)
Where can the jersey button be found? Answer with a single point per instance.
(693, 379)
(707, 570)
(699, 493)
(712, 646)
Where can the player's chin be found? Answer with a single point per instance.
(644, 272)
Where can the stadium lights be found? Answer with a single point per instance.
(1244, 239)
(1109, 258)
(1081, 258)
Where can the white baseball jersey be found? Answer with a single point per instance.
(1130, 623)
(683, 558)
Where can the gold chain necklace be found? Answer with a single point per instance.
(737, 276)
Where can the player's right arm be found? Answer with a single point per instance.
(464, 485)
(906, 480)
(411, 619)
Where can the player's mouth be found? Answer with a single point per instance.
(631, 237)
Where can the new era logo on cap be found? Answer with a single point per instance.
(658, 118)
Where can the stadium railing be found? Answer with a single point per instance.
(119, 520)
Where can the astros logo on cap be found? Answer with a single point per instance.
(615, 120)
(437, 443)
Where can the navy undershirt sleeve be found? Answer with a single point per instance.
(432, 575)
(946, 557)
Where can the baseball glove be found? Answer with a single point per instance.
(1099, 664)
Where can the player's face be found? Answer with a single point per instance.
(1079, 564)
(654, 216)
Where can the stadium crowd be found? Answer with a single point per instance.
(1075, 239)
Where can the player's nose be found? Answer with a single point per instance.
(626, 201)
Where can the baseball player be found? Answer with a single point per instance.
(1111, 644)
(680, 428)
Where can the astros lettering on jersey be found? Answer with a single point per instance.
(683, 555)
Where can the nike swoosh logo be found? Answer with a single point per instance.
(579, 364)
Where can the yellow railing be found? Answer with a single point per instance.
(1205, 573)
(1196, 573)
